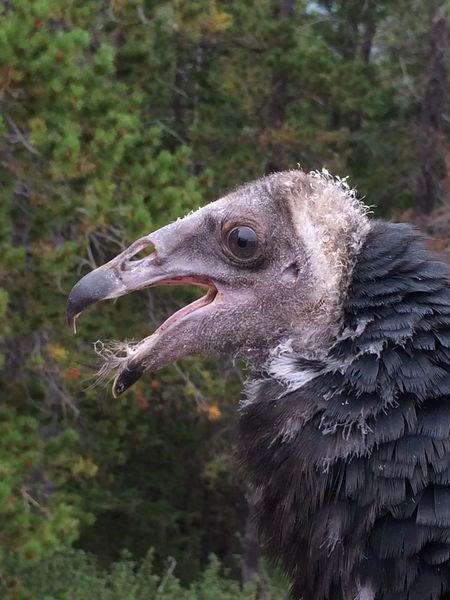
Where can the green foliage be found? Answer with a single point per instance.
(86, 173)
(37, 511)
(75, 576)
(116, 118)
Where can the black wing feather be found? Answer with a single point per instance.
(352, 470)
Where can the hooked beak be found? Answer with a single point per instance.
(178, 335)
(119, 276)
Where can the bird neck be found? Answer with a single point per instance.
(308, 427)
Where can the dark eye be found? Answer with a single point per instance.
(243, 242)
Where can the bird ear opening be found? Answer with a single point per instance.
(291, 273)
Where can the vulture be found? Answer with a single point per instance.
(344, 322)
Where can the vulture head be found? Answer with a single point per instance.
(344, 433)
(275, 257)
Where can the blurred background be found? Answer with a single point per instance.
(116, 117)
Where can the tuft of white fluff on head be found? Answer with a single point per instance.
(332, 224)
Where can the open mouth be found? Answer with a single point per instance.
(180, 335)
(149, 353)
(179, 315)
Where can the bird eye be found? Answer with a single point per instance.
(242, 242)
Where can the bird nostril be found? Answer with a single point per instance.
(143, 251)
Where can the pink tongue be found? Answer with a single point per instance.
(203, 301)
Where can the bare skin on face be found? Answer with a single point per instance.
(275, 257)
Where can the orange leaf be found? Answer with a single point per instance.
(72, 373)
(214, 413)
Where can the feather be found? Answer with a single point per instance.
(434, 421)
(434, 507)
(435, 553)
(353, 467)
(393, 538)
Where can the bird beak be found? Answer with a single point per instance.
(118, 277)
(165, 265)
